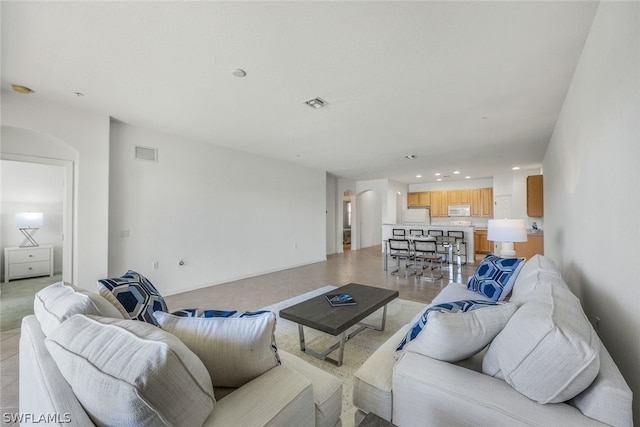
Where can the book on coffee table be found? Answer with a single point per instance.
(339, 300)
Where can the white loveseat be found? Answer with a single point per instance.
(291, 393)
(546, 352)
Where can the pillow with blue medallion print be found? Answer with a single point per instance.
(134, 295)
(495, 276)
(453, 331)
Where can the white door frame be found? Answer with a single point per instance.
(67, 205)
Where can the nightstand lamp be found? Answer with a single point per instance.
(28, 223)
(507, 231)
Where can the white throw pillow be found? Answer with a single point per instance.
(235, 350)
(130, 373)
(548, 351)
(55, 303)
(457, 330)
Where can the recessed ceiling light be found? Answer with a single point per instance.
(456, 172)
(439, 179)
(516, 168)
(316, 103)
(418, 176)
(239, 73)
(21, 89)
(467, 177)
(437, 174)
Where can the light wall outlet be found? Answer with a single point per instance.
(154, 265)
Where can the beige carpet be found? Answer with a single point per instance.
(357, 350)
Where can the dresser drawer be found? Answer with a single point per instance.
(39, 268)
(29, 255)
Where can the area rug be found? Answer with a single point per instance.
(357, 349)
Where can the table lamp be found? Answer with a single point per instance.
(507, 231)
(28, 223)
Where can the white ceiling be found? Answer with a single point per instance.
(471, 86)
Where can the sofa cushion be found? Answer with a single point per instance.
(134, 295)
(457, 292)
(495, 276)
(131, 373)
(548, 350)
(55, 303)
(456, 330)
(535, 269)
(234, 350)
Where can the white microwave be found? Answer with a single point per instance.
(460, 210)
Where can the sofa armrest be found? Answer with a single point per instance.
(431, 392)
(43, 390)
(279, 397)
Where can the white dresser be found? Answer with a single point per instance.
(20, 263)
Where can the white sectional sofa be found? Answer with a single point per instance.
(83, 364)
(546, 365)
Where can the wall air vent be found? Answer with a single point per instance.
(316, 103)
(146, 153)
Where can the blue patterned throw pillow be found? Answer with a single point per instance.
(495, 276)
(133, 294)
(445, 307)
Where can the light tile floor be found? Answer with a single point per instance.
(363, 266)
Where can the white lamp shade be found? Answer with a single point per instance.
(506, 230)
(29, 219)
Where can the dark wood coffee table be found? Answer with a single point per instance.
(318, 314)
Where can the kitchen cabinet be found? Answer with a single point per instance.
(439, 205)
(534, 245)
(20, 263)
(458, 197)
(413, 200)
(486, 202)
(482, 245)
(481, 200)
(535, 199)
(418, 199)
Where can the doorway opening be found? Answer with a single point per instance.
(347, 215)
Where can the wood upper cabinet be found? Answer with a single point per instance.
(476, 205)
(418, 199)
(413, 200)
(439, 205)
(458, 197)
(535, 199)
(425, 198)
(486, 202)
(481, 201)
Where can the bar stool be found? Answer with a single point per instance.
(399, 249)
(416, 232)
(435, 233)
(460, 248)
(399, 233)
(426, 251)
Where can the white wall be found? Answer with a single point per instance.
(372, 210)
(591, 185)
(29, 187)
(227, 214)
(32, 126)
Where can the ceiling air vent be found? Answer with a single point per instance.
(147, 154)
(316, 103)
